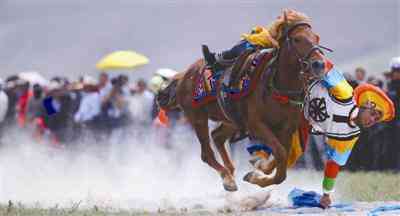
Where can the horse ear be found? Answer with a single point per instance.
(285, 24)
(285, 19)
(317, 38)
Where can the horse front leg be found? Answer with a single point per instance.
(199, 122)
(279, 152)
(220, 135)
(268, 165)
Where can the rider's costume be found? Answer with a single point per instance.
(258, 37)
(330, 108)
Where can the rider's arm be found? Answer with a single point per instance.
(337, 85)
(260, 36)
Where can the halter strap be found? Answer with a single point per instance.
(284, 96)
(287, 29)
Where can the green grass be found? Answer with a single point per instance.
(369, 186)
(360, 186)
(18, 209)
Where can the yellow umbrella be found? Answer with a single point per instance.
(122, 60)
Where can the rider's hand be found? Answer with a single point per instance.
(325, 200)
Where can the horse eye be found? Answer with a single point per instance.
(296, 40)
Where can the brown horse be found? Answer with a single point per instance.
(269, 120)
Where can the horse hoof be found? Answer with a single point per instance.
(266, 166)
(230, 187)
(230, 184)
(252, 177)
(248, 176)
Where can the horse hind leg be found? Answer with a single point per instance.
(199, 122)
(220, 135)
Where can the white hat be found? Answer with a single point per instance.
(89, 80)
(33, 77)
(395, 63)
(166, 73)
(55, 85)
(156, 83)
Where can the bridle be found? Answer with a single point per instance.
(304, 61)
(296, 97)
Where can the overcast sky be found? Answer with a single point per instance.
(67, 37)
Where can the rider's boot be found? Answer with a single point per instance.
(217, 62)
(211, 59)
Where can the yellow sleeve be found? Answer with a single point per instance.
(259, 37)
(342, 91)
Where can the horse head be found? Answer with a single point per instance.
(301, 47)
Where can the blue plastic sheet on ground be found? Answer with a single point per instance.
(376, 211)
(309, 199)
(301, 198)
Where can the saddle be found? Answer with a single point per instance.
(232, 84)
(240, 80)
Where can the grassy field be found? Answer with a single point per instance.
(362, 186)
(370, 186)
(20, 210)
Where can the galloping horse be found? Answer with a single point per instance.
(263, 116)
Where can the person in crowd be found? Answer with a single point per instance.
(360, 75)
(140, 103)
(23, 103)
(3, 107)
(35, 108)
(375, 81)
(394, 84)
(387, 77)
(59, 104)
(36, 111)
(90, 104)
(3, 102)
(14, 87)
(115, 105)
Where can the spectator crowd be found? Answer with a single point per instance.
(61, 111)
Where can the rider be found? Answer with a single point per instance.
(259, 37)
(337, 112)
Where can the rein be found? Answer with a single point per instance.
(285, 96)
(293, 97)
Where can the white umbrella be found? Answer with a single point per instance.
(33, 77)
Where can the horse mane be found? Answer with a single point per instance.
(288, 17)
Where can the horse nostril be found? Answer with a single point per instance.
(318, 65)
